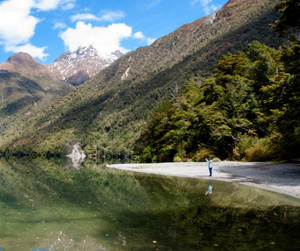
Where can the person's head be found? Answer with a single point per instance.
(210, 158)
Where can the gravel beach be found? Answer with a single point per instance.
(282, 178)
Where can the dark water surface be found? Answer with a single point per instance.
(49, 205)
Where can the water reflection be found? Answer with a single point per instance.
(44, 204)
(209, 188)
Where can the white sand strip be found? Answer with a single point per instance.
(282, 178)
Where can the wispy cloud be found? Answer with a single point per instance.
(141, 36)
(109, 16)
(84, 16)
(153, 4)
(206, 5)
(59, 25)
(112, 16)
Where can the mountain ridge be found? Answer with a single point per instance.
(72, 67)
(24, 63)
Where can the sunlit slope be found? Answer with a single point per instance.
(107, 113)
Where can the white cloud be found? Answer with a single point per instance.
(215, 7)
(208, 8)
(67, 4)
(59, 25)
(150, 40)
(110, 16)
(17, 24)
(37, 52)
(85, 16)
(104, 39)
(47, 4)
(139, 35)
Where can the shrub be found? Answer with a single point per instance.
(177, 159)
(216, 159)
(261, 150)
(201, 154)
(147, 156)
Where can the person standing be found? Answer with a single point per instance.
(210, 166)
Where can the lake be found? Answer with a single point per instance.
(48, 205)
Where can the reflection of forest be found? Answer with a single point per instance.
(113, 208)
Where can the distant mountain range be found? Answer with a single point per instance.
(71, 67)
(107, 113)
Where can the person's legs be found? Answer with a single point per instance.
(210, 171)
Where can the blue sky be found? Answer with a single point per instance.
(47, 28)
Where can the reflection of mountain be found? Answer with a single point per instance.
(45, 200)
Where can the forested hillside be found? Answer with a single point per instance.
(248, 110)
(108, 113)
(22, 96)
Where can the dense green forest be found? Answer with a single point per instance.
(247, 110)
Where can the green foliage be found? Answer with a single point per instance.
(253, 148)
(201, 154)
(147, 155)
(290, 12)
(248, 110)
(261, 151)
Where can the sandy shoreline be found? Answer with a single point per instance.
(282, 178)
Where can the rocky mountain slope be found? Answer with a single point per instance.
(71, 67)
(78, 66)
(25, 64)
(108, 112)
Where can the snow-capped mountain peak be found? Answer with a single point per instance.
(78, 66)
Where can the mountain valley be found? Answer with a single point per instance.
(107, 113)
